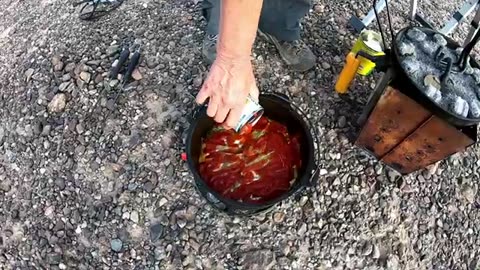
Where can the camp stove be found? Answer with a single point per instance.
(426, 106)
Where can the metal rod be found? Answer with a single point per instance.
(459, 16)
(379, 24)
(473, 27)
(413, 9)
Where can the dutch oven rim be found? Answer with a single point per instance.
(311, 168)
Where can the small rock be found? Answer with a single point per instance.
(325, 65)
(5, 185)
(342, 121)
(49, 211)
(112, 50)
(323, 172)
(85, 76)
(58, 103)
(28, 74)
(302, 230)
(156, 231)
(197, 82)
(69, 67)
(468, 193)
(63, 86)
(148, 186)
(134, 216)
(337, 59)
(366, 249)
(60, 183)
(319, 8)
(46, 130)
(136, 75)
(116, 245)
(94, 62)
(181, 223)
(62, 266)
(170, 171)
(98, 78)
(151, 62)
(80, 129)
(278, 217)
(57, 63)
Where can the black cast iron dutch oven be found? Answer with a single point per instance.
(277, 107)
(402, 81)
(411, 87)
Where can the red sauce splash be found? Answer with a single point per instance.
(255, 165)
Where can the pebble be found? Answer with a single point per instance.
(156, 231)
(28, 74)
(60, 183)
(134, 216)
(85, 76)
(136, 75)
(151, 63)
(80, 129)
(63, 86)
(198, 81)
(112, 50)
(323, 172)
(62, 266)
(468, 193)
(58, 103)
(342, 121)
(325, 65)
(278, 217)
(116, 245)
(57, 63)
(69, 67)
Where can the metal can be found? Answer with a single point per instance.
(250, 115)
(369, 42)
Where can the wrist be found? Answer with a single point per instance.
(233, 54)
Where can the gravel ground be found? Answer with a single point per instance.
(106, 188)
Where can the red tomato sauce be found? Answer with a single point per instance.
(255, 165)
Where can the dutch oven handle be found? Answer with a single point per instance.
(313, 178)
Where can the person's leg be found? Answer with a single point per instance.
(211, 12)
(281, 18)
(280, 24)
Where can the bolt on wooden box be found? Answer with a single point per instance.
(406, 136)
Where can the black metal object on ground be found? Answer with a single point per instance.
(277, 107)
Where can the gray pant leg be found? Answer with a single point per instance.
(280, 18)
(211, 12)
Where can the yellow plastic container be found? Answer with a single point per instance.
(369, 42)
(348, 73)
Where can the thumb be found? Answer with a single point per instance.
(203, 94)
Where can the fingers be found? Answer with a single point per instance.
(212, 106)
(221, 114)
(203, 94)
(234, 116)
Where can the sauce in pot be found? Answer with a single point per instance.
(255, 165)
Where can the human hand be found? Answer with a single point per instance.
(227, 86)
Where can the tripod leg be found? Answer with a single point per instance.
(413, 9)
(473, 27)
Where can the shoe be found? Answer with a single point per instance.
(296, 53)
(209, 48)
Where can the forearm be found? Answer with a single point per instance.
(238, 27)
